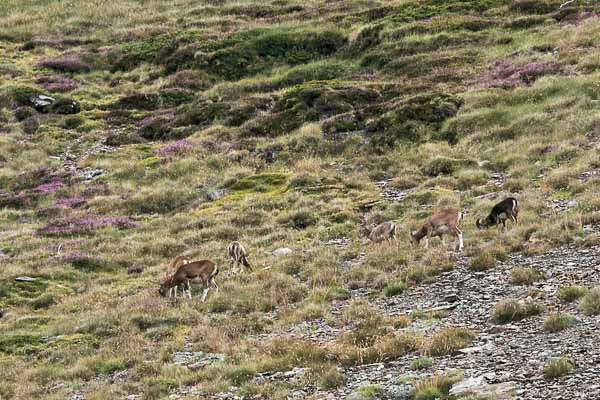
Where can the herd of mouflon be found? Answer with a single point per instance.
(183, 270)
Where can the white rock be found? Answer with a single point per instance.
(475, 349)
(282, 251)
(25, 279)
(478, 386)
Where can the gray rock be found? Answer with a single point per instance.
(196, 360)
(355, 396)
(216, 195)
(25, 279)
(399, 392)
(42, 101)
(450, 297)
(476, 349)
(282, 251)
(479, 386)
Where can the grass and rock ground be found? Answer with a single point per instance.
(132, 132)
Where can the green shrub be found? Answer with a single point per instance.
(160, 200)
(428, 393)
(88, 263)
(369, 36)
(421, 363)
(107, 367)
(557, 367)
(449, 341)
(394, 289)
(298, 47)
(512, 310)
(299, 219)
(239, 58)
(44, 301)
(370, 392)
(73, 122)
(436, 387)
(20, 344)
(525, 276)
(482, 262)
(590, 305)
(259, 183)
(331, 378)
(414, 120)
(440, 166)
(568, 294)
(240, 375)
(558, 322)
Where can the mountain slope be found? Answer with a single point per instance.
(132, 132)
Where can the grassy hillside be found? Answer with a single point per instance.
(302, 113)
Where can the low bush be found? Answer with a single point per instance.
(512, 310)
(449, 341)
(525, 276)
(590, 304)
(568, 294)
(557, 367)
(558, 322)
(482, 262)
(65, 64)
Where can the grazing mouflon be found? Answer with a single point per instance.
(384, 231)
(175, 264)
(238, 257)
(204, 271)
(444, 222)
(507, 208)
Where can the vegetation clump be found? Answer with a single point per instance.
(482, 262)
(449, 341)
(590, 304)
(436, 387)
(569, 294)
(558, 367)
(394, 289)
(525, 276)
(421, 363)
(64, 64)
(134, 132)
(512, 310)
(558, 322)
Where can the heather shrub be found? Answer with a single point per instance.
(505, 74)
(178, 148)
(86, 224)
(57, 83)
(64, 64)
(160, 200)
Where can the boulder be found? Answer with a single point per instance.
(216, 195)
(47, 104)
(400, 392)
(282, 251)
(25, 279)
(479, 386)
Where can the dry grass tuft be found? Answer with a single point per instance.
(512, 310)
